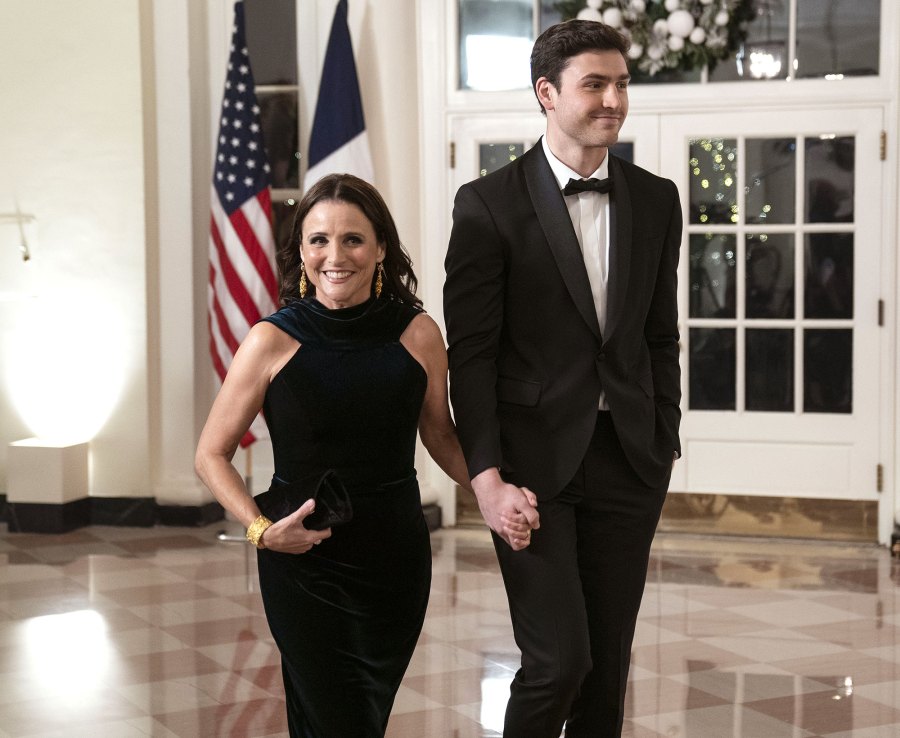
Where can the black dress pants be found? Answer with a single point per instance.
(574, 596)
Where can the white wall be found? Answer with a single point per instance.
(73, 357)
(116, 331)
(388, 68)
(384, 43)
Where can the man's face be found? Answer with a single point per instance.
(592, 101)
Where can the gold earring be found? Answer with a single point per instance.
(303, 285)
(378, 279)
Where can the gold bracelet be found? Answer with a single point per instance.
(256, 529)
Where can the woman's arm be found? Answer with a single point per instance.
(422, 338)
(262, 354)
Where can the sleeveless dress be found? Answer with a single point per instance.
(347, 614)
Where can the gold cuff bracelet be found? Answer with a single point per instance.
(256, 529)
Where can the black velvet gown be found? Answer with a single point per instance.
(347, 614)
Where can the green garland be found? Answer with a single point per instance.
(654, 44)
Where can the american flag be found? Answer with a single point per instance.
(242, 283)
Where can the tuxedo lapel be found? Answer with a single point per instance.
(619, 248)
(553, 216)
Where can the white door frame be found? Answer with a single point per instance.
(792, 453)
(440, 101)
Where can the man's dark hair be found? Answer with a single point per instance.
(559, 43)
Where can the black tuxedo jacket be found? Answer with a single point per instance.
(527, 361)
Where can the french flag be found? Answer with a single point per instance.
(338, 142)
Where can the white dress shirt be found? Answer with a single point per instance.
(589, 212)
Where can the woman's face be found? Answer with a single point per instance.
(340, 251)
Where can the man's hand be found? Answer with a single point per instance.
(510, 511)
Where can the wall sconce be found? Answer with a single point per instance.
(19, 219)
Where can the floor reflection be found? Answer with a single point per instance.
(160, 632)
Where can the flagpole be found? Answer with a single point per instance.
(241, 233)
(225, 536)
(248, 469)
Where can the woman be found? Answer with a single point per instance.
(345, 372)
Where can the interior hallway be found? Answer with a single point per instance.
(122, 632)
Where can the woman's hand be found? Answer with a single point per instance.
(516, 527)
(509, 511)
(289, 536)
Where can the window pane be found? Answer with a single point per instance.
(713, 263)
(711, 369)
(665, 76)
(830, 165)
(278, 117)
(764, 54)
(771, 173)
(550, 15)
(829, 276)
(828, 371)
(713, 167)
(770, 370)
(495, 40)
(493, 156)
(837, 37)
(624, 150)
(271, 27)
(770, 275)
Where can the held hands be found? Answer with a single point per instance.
(289, 536)
(510, 511)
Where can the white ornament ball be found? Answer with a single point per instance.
(698, 36)
(655, 53)
(661, 27)
(595, 4)
(639, 6)
(635, 51)
(722, 18)
(671, 5)
(612, 17)
(676, 43)
(706, 2)
(589, 14)
(681, 23)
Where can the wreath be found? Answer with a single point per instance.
(670, 34)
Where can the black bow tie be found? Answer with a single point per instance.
(588, 185)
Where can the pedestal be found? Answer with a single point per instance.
(47, 486)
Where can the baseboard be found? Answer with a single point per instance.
(432, 513)
(40, 517)
(189, 515)
(137, 512)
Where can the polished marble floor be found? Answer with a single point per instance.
(121, 632)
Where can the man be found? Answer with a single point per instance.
(560, 304)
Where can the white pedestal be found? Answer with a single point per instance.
(45, 472)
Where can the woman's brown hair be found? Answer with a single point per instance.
(399, 280)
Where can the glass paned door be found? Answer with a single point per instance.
(778, 303)
(484, 143)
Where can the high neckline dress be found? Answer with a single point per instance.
(346, 615)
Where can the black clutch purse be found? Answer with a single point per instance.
(333, 506)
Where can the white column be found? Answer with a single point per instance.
(179, 395)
